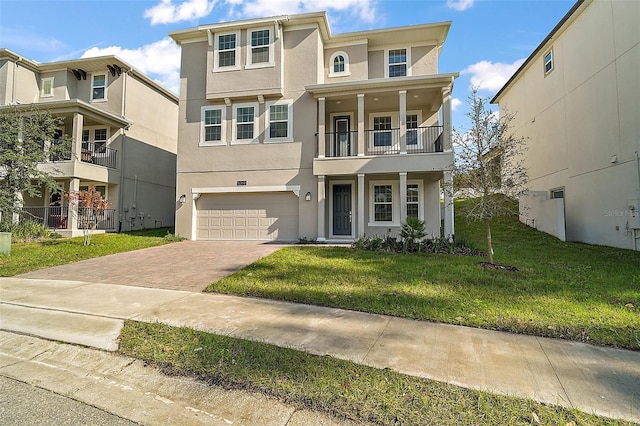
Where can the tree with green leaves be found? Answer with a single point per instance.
(489, 165)
(91, 210)
(28, 137)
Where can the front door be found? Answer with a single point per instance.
(342, 136)
(342, 209)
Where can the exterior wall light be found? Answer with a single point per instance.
(307, 196)
(183, 198)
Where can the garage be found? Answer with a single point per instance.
(268, 216)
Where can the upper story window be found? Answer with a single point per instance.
(212, 132)
(226, 52)
(245, 122)
(548, 62)
(339, 65)
(47, 87)
(260, 49)
(280, 121)
(397, 63)
(98, 87)
(100, 137)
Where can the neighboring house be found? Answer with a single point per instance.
(287, 131)
(124, 131)
(577, 100)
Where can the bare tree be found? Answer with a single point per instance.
(489, 164)
(91, 210)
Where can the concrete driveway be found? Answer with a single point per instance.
(187, 265)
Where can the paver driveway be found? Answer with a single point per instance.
(187, 265)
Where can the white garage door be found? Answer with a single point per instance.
(255, 216)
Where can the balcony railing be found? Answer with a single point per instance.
(55, 217)
(424, 139)
(99, 154)
(341, 144)
(380, 142)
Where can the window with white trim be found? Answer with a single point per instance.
(245, 122)
(557, 193)
(226, 52)
(382, 203)
(100, 138)
(99, 87)
(412, 129)
(382, 131)
(47, 87)
(260, 48)
(212, 131)
(548, 62)
(339, 65)
(279, 121)
(413, 200)
(397, 63)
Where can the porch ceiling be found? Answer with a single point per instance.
(417, 98)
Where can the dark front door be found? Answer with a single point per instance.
(342, 209)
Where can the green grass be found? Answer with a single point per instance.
(341, 388)
(30, 256)
(565, 290)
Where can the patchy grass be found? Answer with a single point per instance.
(341, 388)
(565, 290)
(30, 256)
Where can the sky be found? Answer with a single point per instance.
(487, 42)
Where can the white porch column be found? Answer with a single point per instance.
(403, 196)
(449, 226)
(361, 141)
(76, 135)
(446, 119)
(72, 214)
(403, 121)
(360, 205)
(321, 127)
(321, 208)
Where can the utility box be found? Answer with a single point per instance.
(5, 242)
(634, 214)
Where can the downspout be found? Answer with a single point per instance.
(123, 134)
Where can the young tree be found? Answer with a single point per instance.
(28, 136)
(489, 165)
(91, 210)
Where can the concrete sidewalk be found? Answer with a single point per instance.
(594, 379)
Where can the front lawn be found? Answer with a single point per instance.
(565, 290)
(29, 256)
(343, 389)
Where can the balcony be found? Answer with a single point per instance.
(98, 154)
(55, 217)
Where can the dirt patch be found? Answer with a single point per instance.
(499, 267)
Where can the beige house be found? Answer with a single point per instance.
(577, 99)
(287, 131)
(124, 131)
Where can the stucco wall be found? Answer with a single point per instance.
(582, 121)
(358, 64)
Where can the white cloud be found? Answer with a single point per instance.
(460, 5)
(159, 60)
(491, 76)
(364, 9)
(455, 103)
(166, 12)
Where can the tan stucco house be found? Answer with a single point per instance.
(287, 131)
(577, 100)
(124, 131)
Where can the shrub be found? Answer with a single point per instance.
(411, 234)
(27, 230)
(435, 245)
(173, 238)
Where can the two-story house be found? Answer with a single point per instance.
(124, 131)
(287, 131)
(577, 100)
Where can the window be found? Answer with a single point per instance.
(279, 121)
(100, 138)
(99, 87)
(226, 52)
(412, 129)
(548, 62)
(397, 63)
(339, 65)
(212, 132)
(47, 87)
(260, 49)
(557, 193)
(382, 131)
(413, 200)
(383, 203)
(245, 122)
(85, 135)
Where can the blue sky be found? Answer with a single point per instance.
(487, 41)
